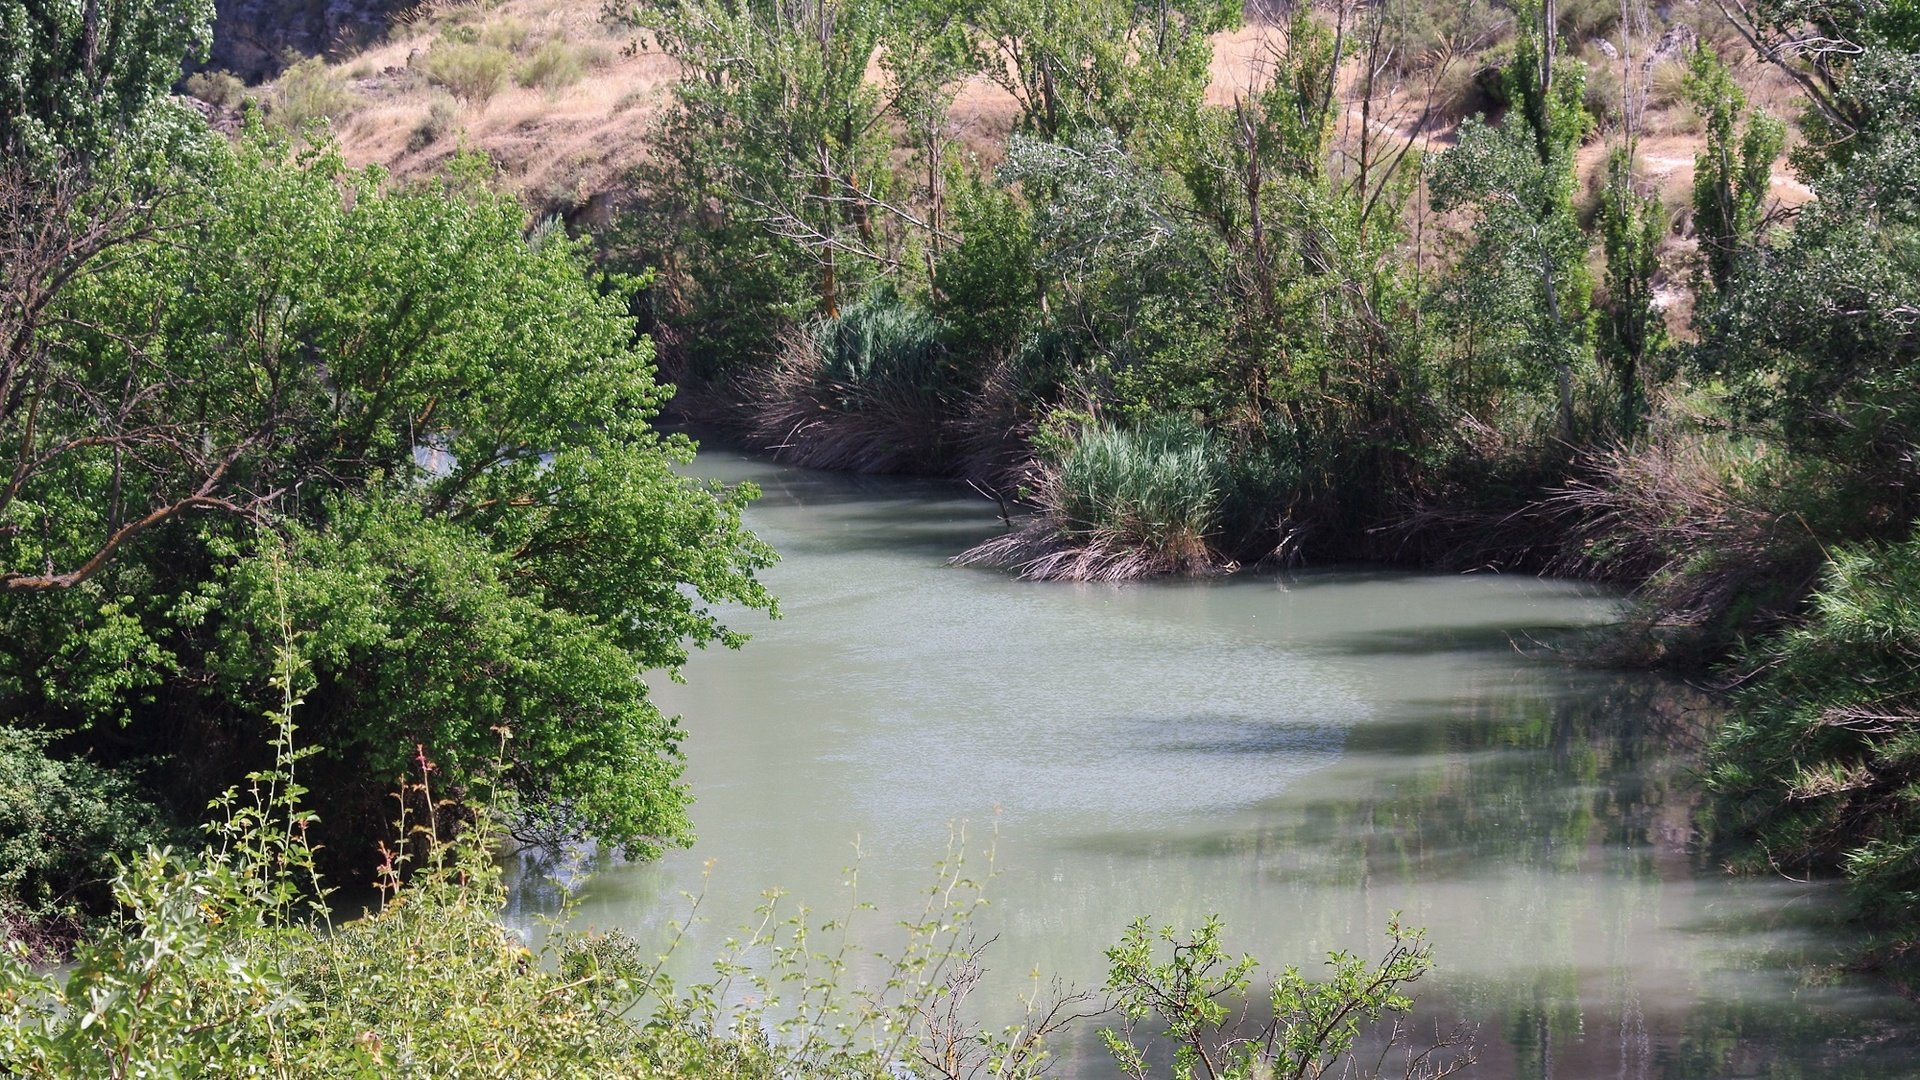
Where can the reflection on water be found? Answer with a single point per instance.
(1304, 755)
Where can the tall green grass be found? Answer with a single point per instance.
(1158, 484)
(884, 342)
(1121, 502)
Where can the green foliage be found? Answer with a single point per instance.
(1731, 176)
(883, 341)
(1632, 225)
(986, 288)
(1157, 485)
(776, 117)
(1077, 65)
(1817, 337)
(74, 78)
(58, 821)
(446, 419)
(1199, 996)
(1522, 292)
(1818, 768)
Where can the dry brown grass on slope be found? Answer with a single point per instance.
(561, 145)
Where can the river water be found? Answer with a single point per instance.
(1303, 754)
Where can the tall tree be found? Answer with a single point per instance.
(1632, 224)
(1520, 179)
(294, 403)
(75, 76)
(1733, 172)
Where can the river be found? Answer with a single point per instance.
(1303, 754)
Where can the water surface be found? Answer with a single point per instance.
(1302, 754)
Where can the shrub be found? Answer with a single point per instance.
(874, 390)
(555, 66)
(470, 72)
(884, 340)
(60, 824)
(309, 91)
(1158, 482)
(443, 116)
(1197, 1000)
(222, 88)
(1819, 767)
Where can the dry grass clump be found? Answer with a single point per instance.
(1705, 527)
(1668, 84)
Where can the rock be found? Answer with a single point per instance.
(253, 38)
(1675, 44)
(1606, 49)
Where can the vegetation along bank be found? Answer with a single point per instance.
(1203, 288)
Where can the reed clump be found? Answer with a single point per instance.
(1114, 503)
(875, 390)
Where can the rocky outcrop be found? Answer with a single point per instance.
(253, 38)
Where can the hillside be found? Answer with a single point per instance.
(564, 103)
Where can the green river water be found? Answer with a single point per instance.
(1303, 754)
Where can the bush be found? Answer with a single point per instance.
(1157, 483)
(60, 824)
(222, 88)
(309, 91)
(471, 72)
(555, 66)
(443, 116)
(506, 33)
(1819, 768)
(882, 340)
(875, 390)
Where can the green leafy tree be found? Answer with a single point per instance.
(773, 188)
(74, 77)
(1113, 64)
(1819, 338)
(446, 423)
(1520, 179)
(1632, 225)
(1734, 170)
